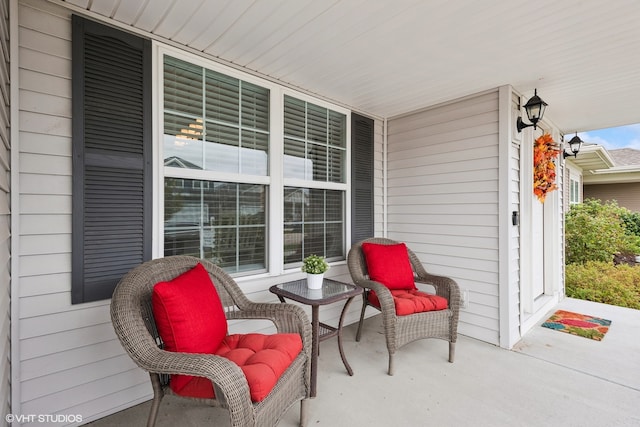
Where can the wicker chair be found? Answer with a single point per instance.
(132, 318)
(401, 330)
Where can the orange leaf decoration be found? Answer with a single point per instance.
(545, 151)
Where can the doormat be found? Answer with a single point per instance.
(578, 324)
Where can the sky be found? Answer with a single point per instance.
(613, 138)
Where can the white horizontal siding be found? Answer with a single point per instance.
(443, 175)
(5, 214)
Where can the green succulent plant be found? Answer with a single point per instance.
(314, 264)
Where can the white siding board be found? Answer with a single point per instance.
(44, 224)
(45, 164)
(45, 124)
(38, 204)
(45, 84)
(5, 215)
(45, 184)
(41, 62)
(45, 18)
(92, 398)
(447, 156)
(40, 245)
(44, 104)
(37, 347)
(81, 377)
(44, 325)
(37, 41)
(31, 143)
(447, 209)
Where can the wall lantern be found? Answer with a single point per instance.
(574, 145)
(535, 110)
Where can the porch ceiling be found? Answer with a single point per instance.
(387, 58)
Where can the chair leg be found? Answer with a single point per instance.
(364, 307)
(158, 394)
(304, 412)
(391, 370)
(452, 351)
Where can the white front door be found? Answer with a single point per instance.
(537, 249)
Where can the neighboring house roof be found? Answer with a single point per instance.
(602, 166)
(626, 157)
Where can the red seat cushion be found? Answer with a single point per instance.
(262, 358)
(410, 301)
(189, 316)
(389, 265)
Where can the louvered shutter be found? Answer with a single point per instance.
(361, 177)
(111, 157)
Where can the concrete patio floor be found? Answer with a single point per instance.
(548, 379)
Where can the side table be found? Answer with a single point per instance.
(331, 291)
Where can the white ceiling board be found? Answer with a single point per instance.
(389, 58)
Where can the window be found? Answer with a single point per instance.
(574, 191)
(216, 153)
(315, 147)
(218, 181)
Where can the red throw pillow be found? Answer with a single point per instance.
(189, 316)
(389, 265)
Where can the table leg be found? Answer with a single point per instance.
(315, 348)
(344, 359)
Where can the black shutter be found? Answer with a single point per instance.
(112, 208)
(361, 177)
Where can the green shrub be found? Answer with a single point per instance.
(631, 221)
(596, 231)
(603, 282)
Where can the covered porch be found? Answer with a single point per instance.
(548, 379)
(443, 83)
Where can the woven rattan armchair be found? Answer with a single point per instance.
(131, 314)
(401, 330)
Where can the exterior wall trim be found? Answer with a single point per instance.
(16, 390)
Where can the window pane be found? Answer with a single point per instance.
(222, 222)
(182, 142)
(223, 98)
(182, 87)
(337, 129)
(230, 115)
(222, 148)
(254, 155)
(316, 123)
(295, 163)
(335, 165)
(294, 118)
(315, 142)
(182, 218)
(255, 107)
(313, 224)
(318, 157)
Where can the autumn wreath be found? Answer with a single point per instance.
(545, 151)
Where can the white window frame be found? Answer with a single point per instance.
(274, 181)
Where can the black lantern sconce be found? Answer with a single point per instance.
(535, 110)
(574, 145)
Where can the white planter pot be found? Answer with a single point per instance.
(314, 281)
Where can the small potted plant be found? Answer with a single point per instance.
(315, 267)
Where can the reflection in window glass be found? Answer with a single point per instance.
(315, 142)
(313, 224)
(231, 117)
(219, 221)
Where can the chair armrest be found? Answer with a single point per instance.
(445, 287)
(387, 306)
(228, 380)
(288, 318)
